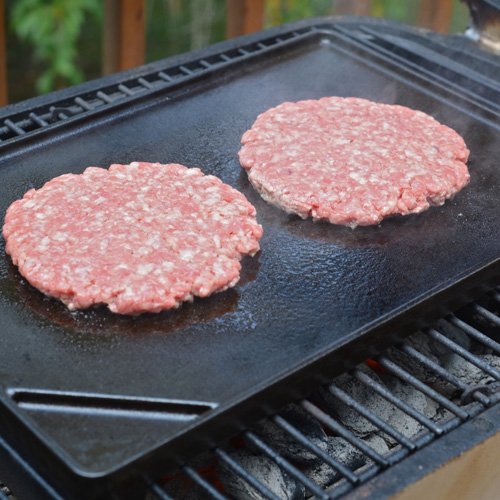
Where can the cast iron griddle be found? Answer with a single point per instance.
(96, 395)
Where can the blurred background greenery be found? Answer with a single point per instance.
(55, 43)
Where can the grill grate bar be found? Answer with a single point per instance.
(439, 337)
(397, 402)
(145, 83)
(426, 438)
(335, 464)
(488, 314)
(165, 76)
(204, 485)
(38, 120)
(244, 474)
(474, 332)
(370, 416)
(343, 432)
(15, 128)
(393, 368)
(83, 104)
(285, 465)
(344, 487)
(104, 97)
(445, 374)
(205, 63)
(158, 491)
(33, 120)
(125, 90)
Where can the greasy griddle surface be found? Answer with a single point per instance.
(313, 288)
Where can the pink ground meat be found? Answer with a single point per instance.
(140, 238)
(352, 161)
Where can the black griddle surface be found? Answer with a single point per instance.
(103, 392)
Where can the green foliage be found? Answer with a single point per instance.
(53, 28)
(395, 9)
(283, 11)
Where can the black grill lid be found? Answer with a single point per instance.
(95, 397)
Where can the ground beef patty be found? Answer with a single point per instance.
(352, 161)
(139, 237)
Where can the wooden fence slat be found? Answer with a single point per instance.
(436, 15)
(124, 35)
(244, 16)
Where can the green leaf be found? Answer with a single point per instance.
(53, 27)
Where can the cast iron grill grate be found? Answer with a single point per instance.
(462, 382)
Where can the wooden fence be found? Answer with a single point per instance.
(124, 31)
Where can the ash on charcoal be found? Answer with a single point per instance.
(323, 474)
(286, 445)
(398, 419)
(471, 374)
(453, 333)
(352, 420)
(378, 444)
(435, 352)
(265, 471)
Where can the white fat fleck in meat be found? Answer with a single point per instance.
(144, 269)
(186, 255)
(60, 236)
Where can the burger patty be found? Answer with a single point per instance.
(352, 161)
(140, 238)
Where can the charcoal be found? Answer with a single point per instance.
(265, 471)
(286, 445)
(377, 443)
(398, 419)
(203, 460)
(177, 487)
(352, 420)
(197, 493)
(412, 396)
(471, 374)
(433, 352)
(345, 452)
(323, 474)
(453, 333)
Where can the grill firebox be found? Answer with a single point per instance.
(427, 390)
(437, 390)
(415, 403)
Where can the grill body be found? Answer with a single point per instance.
(148, 429)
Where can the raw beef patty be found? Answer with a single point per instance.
(352, 161)
(139, 237)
